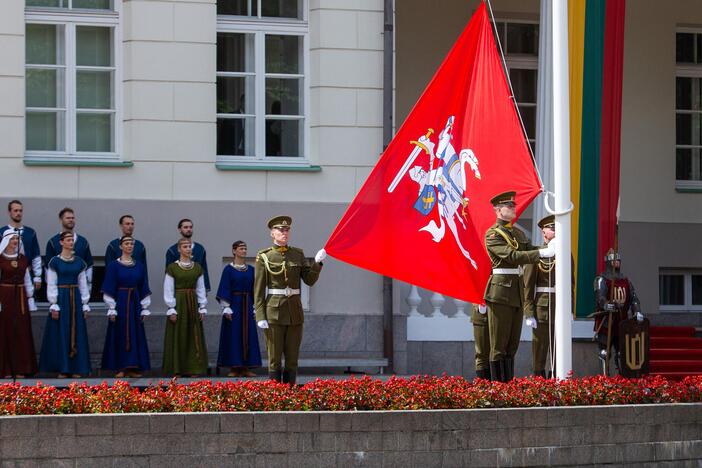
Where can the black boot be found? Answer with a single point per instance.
(508, 369)
(289, 376)
(496, 371)
(483, 374)
(275, 375)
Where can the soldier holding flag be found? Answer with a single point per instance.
(508, 249)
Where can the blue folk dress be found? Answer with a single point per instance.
(238, 339)
(64, 348)
(127, 288)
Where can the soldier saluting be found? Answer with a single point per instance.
(508, 249)
(279, 269)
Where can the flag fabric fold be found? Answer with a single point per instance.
(422, 214)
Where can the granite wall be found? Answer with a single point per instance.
(645, 435)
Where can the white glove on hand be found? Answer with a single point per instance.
(31, 304)
(145, 312)
(531, 322)
(86, 308)
(54, 308)
(111, 312)
(262, 324)
(548, 252)
(171, 311)
(202, 311)
(482, 308)
(639, 317)
(321, 255)
(227, 311)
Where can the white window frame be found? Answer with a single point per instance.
(688, 71)
(69, 19)
(687, 286)
(523, 62)
(259, 28)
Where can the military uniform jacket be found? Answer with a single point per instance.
(280, 268)
(541, 275)
(508, 248)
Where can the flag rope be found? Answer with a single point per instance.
(511, 92)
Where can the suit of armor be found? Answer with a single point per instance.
(616, 300)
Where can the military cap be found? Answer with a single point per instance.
(504, 197)
(547, 221)
(279, 221)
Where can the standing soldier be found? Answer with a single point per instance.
(279, 311)
(508, 248)
(540, 302)
(481, 339)
(614, 298)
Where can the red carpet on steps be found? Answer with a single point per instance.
(675, 352)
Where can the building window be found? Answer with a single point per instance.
(680, 290)
(262, 64)
(688, 108)
(72, 80)
(520, 44)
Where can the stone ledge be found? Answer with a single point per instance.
(644, 434)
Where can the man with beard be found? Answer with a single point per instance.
(185, 227)
(29, 243)
(81, 247)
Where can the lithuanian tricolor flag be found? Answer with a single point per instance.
(596, 41)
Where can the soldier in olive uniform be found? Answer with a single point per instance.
(540, 301)
(481, 337)
(279, 311)
(508, 249)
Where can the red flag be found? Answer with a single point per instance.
(422, 215)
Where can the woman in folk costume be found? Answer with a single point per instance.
(126, 293)
(64, 348)
(184, 348)
(17, 355)
(238, 339)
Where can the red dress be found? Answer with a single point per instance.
(17, 355)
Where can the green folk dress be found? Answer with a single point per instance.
(184, 348)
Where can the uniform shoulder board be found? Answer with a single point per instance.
(262, 251)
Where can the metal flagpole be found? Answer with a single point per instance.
(563, 205)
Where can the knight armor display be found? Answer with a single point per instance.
(616, 301)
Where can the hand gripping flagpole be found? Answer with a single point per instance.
(563, 205)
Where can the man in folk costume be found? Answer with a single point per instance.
(81, 247)
(279, 270)
(508, 249)
(186, 229)
(540, 302)
(29, 243)
(615, 300)
(114, 249)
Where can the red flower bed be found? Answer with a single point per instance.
(340, 395)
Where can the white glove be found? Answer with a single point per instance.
(531, 322)
(227, 311)
(547, 252)
(31, 304)
(262, 324)
(202, 311)
(171, 311)
(145, 312)
(639, 317)
(86, 308)
(54, 308)
(482, 308)
(111, 312)
(321, 255)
